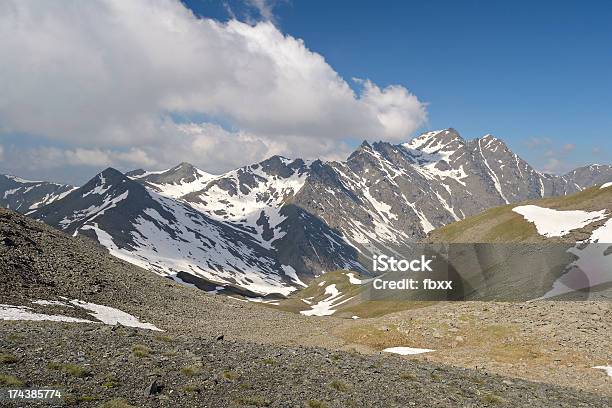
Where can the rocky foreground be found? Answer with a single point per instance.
(214, 351)
(97, 365)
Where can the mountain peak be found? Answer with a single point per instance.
(435, 140)
(365, 144)
(281, 166)
(107, 177)
(183, 166)
(112, 174)
(491, 142)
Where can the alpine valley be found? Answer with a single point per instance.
(271, 228)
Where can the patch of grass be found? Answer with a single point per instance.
(477, 380)
(140, 350)
(191, 388)
(76, 370)
(339, 385)
(164, 338)
(408, 376)
(381, 307)
(14, 337)
(87, 398)
(230, 375)
(10, 381)
(6, 358)
(374, 337)
(192, 370)
(491, 398)
(511, 353)
(435, 376)
(269, 361)
(253, 400)
(116, 403)
(110, 382)
(316, 404)
(54, 365)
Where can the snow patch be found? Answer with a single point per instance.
(324, 307)
(607, 369)
(50, 303)
(353, 280)
(556, 223)
(290, 272)
(100, 189)
(404, 351)
(111, 316)
(10, 312)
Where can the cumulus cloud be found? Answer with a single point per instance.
(208, 145)
(108, 77)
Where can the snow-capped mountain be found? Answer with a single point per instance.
(25, 195)
(166, 236)
(385, 196)
(271, 226)
(257, 200)
(175, 182)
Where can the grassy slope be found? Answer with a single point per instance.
(501, 224)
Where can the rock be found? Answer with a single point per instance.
(220, 337)
(153, 388)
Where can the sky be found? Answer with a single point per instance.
(222, 84)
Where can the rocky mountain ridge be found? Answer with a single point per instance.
(271, 227)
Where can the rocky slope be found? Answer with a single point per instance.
(255, 363)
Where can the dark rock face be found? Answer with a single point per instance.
(589, 176)
(24, 195)
(183, 173)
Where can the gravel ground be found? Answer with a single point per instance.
(94, 365)
(557, 342)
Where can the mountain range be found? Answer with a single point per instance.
(272, 227)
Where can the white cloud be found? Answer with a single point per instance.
(568, 147)
(553, 166)
(106, 77)
(399, 112)
(264, 8)
(45, 158)
(208, 145)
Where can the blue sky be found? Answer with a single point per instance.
(518, 69)
(221, 84)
